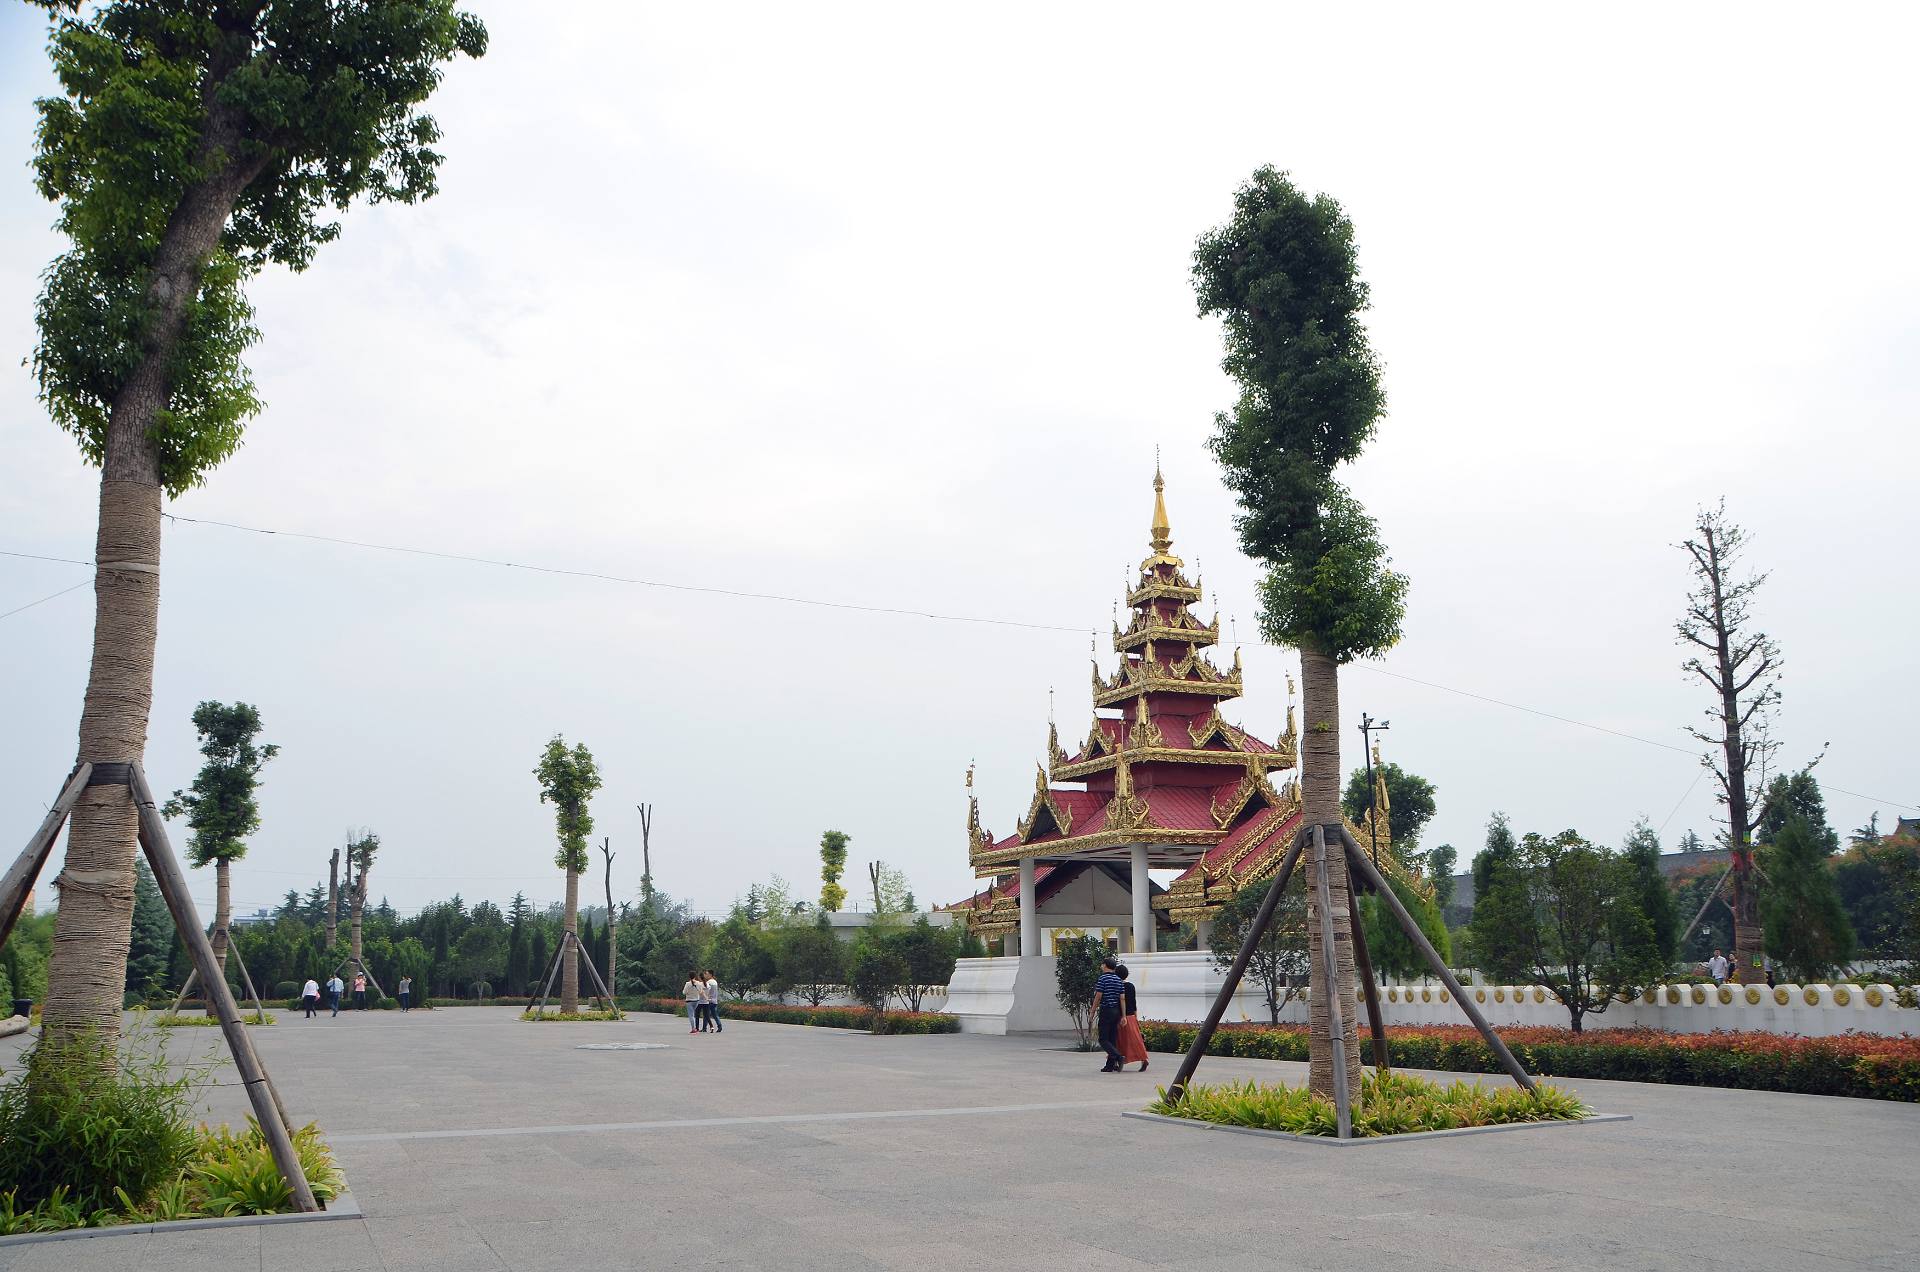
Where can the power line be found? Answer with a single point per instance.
(43, 600)
(817, 602)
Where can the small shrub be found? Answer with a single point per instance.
(81, 1128)
(1389, 1104)
(530, 1014)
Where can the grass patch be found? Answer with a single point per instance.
(91, 1138)
(530, 1014)
(1389, 1104)
(164, 1021)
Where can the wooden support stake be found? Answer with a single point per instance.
(1239, 969)
(26, 868)
(1330, 967)
(260, 1017)
(553, 970)
(1358, 860)
(1363, 965)
(612, 1004)
(173, 886)
(193, 978)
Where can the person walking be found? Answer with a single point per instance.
(359, 991)
(695, 991)
(1109, 999)
(405, 989)
(1133, 1046)
(713, 1002)
(310, 996)
(335, 987)
(1718, 967)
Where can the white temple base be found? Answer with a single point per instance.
(1005, 995)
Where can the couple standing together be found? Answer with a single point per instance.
(703, 1002)
(1118, 1008)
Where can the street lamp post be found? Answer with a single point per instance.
(1368, 727)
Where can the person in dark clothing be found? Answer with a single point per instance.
(1109, 1002)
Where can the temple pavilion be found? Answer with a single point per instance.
(1162, 781)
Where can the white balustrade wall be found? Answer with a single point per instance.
(1180, 986)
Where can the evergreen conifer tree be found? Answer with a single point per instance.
(1808, 933)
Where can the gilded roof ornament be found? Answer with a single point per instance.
(1162, 534)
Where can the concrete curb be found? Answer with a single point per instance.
(1327, 1141)
(341, 1207)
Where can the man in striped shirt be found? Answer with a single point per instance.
(1109, 996)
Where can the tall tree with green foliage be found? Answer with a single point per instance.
(1410, 805)
(1808, 933)
(152, 937)
(1642, 853)
(809, 959)
(1279, 961)
(1791, 795)
(833, 864)
(1441, 863)
(1567, 915)
(1740, 666)
(192, 143)
(1392, 951)
(568, 779)
(1282, 276)
(220, 807)
(364, 848)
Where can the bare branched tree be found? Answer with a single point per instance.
(1741, 665)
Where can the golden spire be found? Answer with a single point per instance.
(1161, 537)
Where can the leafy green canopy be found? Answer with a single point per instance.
(1410, 800)
(833, 863)
(1281, 275)
(220, 807)
(568, 779)
(1808, 931)
(319, 98)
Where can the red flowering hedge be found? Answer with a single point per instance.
(899, 1022)
(1865, 1066)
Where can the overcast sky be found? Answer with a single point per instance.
(890, 308)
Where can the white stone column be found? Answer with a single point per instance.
(1142, 901)
(1010, 943)
(1029, 912)
(1203, 935)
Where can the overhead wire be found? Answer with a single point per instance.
(858, 607)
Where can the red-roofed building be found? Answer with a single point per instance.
(1162, 781)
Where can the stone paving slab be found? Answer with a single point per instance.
(472, 1141)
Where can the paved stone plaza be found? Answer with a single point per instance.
(473, 1141)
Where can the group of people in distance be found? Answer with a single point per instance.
(1117, 1010)
(310, 993)
(703, 1002)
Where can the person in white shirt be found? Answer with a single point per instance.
(713, 1002)
(310, 996)
(1718, 966)
(695, 991)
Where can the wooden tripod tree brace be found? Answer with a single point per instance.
(553, 973)
(33, 859)
(1231, 985)
(1358, 860)
(253, 1075)
(1336, 1016)
(1363, 967)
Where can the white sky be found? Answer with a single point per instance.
(893, 308)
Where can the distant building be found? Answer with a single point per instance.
(1907, 827)
(848, 924)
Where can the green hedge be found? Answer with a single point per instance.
(1859, 1065)
(893, 1022)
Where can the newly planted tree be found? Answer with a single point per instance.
(833, 864)
(1279, 961)
(192, 144)
(361, 853)
(1281, 274)
(568, 779)
(220, 807)
(1740, 666)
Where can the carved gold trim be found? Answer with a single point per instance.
(1043, 799)
(1079, 769)
(1144, 733)
(1066, 848)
